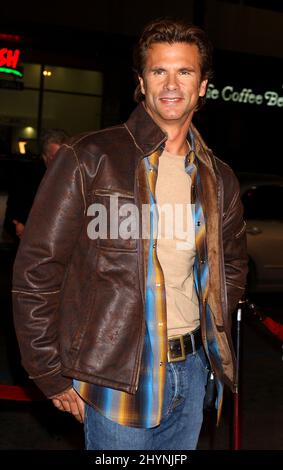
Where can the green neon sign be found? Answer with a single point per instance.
(11, 71)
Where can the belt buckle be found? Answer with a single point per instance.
(182, 356)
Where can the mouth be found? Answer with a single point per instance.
(170, 100)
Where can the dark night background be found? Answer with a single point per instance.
(248, 40)
(99, 36)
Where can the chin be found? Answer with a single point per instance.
(172, 116)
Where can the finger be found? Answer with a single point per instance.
(66, 406)
(78, 416)
(71, 402)
(58, 404)
(74, 409)
(81, 406)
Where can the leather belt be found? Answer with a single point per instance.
(181, 345)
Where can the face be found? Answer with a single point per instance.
(172, 82)
(50, 153)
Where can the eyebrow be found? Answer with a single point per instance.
(160, 67)
(157, 67)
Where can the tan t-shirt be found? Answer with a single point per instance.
(176, 243)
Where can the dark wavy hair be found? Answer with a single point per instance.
(172, 31)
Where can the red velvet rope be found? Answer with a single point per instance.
(17, 393)
(274, 327)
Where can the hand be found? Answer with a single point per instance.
(19, 228)
(70, 401)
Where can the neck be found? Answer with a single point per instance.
(177, 141)
(177, 132)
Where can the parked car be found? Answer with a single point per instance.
(262, 197)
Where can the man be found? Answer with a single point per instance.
(116, 329)
(27, 179)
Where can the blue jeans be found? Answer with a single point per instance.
(182, 414)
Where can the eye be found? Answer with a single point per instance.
(158, 71)
(184, 72)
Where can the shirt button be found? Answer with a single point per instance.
(202, 261)
(154, 245)
(161, 363)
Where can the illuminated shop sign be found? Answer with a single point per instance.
(9, 61)
(244, 95)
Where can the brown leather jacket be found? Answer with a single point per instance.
(79, 303)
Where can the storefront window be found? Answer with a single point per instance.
(71, 100)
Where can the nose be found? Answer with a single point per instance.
(171, 82)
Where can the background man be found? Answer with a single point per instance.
(26, 180)
(130, 326)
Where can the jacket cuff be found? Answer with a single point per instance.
(53, 384)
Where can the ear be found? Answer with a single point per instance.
(202, 88)
(142, 85)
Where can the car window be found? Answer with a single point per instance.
(263, 202)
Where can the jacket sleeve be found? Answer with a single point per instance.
(50, 234)
(234, 244)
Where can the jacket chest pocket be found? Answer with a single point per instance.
(113, 220)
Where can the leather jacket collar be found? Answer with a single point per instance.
(149, 136)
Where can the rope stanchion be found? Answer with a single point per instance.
(18, 393)
(236, 417)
